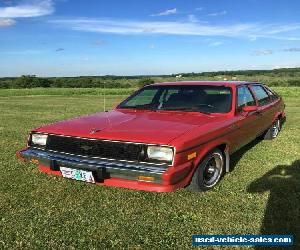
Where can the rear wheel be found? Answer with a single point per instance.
(273, 131)
(209, 172)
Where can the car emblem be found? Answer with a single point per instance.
(94, 130)
(86, 148)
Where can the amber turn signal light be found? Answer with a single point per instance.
(145, 178)
(34, 161)
(191, 156)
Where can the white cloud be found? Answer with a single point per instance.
(132, 27)
(295, 65)
(7, 22)
(283, 28)
(125, 27)
(221, 13)
(288, 38)
(166, 12)
(215, 44)
(252, 38)
(34, 9)
(152, 46)
(59, 49)
(99, 42)
(295, 49)
(199, 9)
(192, 18)
(262, 52)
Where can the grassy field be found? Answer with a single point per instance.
(38, 211)
(64, 92)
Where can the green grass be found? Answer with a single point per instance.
(65, 91)
(39, 211)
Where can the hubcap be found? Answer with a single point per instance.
(275, 129)
(213, 170)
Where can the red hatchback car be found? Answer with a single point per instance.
(163, 137)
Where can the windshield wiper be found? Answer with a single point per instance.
(138, 108)
(187, 109)
(166, 109)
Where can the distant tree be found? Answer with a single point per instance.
(5, 84)
(42, 82)
(31, 81)
(56, 82)
(145, 81)
(24, 81)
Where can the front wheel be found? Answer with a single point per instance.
(209, 172)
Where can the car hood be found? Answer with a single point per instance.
(129, 125)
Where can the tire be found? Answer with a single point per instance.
(205, 177)
(273, 131)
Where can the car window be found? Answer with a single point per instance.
(261, 95)
(145, 97)
(244, 98)
(271, 94)
(166, 95)
(205, 99)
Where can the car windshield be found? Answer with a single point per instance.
(194, 98)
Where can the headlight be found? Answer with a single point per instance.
(39, 139)
(160, 153)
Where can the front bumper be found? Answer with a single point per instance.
(112, 173)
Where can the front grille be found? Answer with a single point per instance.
(95, 148)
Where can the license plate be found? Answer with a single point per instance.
(77, 174)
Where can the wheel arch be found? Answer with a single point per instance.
(281, 117)
(225, 150)
(222, 146)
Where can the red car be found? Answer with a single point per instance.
(163, 137)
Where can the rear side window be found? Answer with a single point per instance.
(273, 96)
(244, 98)
(261, 95)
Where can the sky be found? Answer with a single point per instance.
(142, 37)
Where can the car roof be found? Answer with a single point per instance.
(211, 83)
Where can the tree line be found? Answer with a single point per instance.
(276, 77)
(32, 81)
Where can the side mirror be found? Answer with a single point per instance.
(249, 108)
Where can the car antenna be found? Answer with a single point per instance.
(104, 104)
(104, 99)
